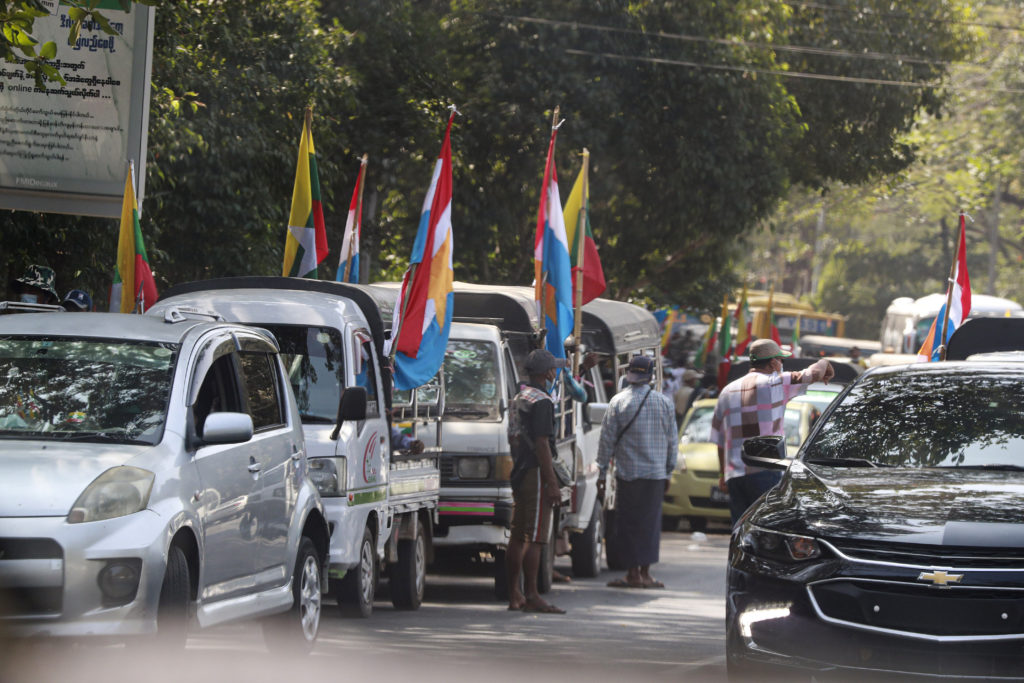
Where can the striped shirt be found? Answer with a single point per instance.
(647, 450)
(755, 405)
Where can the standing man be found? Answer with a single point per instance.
(535, 489)
(755, 405)
(639, 433)
(686, 394)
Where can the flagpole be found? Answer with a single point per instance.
(949, 291)
(581, 233)
(357, 219)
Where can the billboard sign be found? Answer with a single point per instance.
(66, 149)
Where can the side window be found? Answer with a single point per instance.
(366, 377)
(262, 390)
(510, 374)
(218, 392)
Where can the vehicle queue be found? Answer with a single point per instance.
(234, 460)
(198, 499)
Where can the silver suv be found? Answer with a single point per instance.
(153, 475)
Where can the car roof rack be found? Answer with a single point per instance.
(177, 314)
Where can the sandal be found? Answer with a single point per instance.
(623, 583)
(544, 609)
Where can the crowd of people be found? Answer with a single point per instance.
(38, 285)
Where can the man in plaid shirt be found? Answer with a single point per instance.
(755, 405)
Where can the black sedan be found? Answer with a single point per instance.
(895, 541)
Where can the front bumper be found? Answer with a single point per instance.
(774, 621)
(689, 495)
(49, 582)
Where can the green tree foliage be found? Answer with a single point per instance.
(896, 236)
(694, 128)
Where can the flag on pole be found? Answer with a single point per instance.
(958, 298)
(552, 272)
(134, 289)
(583, 252)
(773, 331)
(666, 330)
(423, 316)
(724, 344)
(348, 266)
(743, 321)
(306, 243)
(707, 344)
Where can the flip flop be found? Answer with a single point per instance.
(546, 609)
(622, 583)
(560, 578)
(654, 584)
(514, 609)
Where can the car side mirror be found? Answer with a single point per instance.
(593, 413)
(224, 428)
(768, 452)
(502, 406)
(351, 408)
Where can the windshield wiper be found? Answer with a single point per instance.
(466, 412)
(846, 462)
(105, 437)
(998, 467)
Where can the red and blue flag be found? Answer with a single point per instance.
(552, 269)
(423, 316)
(959, 303)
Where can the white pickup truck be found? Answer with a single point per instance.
(493, 330)
(380, 504)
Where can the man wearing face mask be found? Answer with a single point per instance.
(535, 489)
(36, 286)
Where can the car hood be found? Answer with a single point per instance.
(924, 506)
(700, 455)
(42, 479)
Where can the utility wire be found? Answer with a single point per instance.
(729, 42)
(902, 15)
(774, 72)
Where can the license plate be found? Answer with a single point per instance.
(717, 496)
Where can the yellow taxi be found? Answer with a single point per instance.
(693, 492)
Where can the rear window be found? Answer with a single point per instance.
(941, 417)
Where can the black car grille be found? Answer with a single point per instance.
(30, 600)
(932, 555)
(922, 609)
(446, 464)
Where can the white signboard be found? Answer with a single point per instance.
(66, 149)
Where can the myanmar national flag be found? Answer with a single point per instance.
(306, 244)
(423, 315)
(743, 321)
(134, 289)
(583, 257)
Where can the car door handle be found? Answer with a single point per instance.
(296, 453)
(254, 465)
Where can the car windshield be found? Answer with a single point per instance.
(791, 424)
(313, 357)
(84, 390)
(928, 418)
(471, 383)
(698, 428)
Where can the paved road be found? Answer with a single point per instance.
(461, 632)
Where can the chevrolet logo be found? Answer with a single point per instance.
(940, 578)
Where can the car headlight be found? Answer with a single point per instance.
(475, 467)
(328, 475)
(773, 545)
(117, 492)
